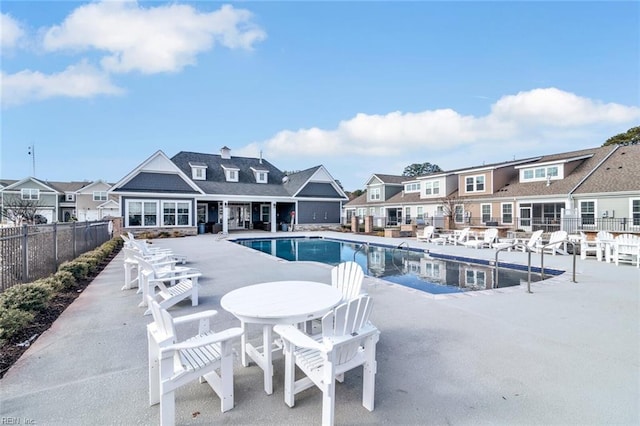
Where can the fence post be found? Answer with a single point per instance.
(55, 244)
(25, 253)
(73, 239)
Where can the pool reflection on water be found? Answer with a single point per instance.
(431, 273)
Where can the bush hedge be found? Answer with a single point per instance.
(19, 304)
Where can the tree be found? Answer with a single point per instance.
(449, 204)
(416, 169)
(630, 136)
(17, 210)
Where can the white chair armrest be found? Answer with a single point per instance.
(291, 334)
(222, 336)
(195, 317)
(176, 277)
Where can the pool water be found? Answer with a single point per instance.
(431, 273)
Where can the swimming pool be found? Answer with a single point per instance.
(429, 272)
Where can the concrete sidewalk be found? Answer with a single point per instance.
(567, 354)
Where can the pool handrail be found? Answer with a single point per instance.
(529, 250)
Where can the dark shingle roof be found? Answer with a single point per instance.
(619, 172)
(157, 182)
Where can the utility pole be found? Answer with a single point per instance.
(32, 153)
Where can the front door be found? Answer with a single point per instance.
(525, 217)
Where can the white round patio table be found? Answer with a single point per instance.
(277, 302)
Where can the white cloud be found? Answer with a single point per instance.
(76, 81)
(151, 40)
(11, 31)
(536, 122)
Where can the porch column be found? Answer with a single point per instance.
(274, 225)
(225, 217)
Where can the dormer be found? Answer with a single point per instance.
(261, 175)
(198, 171)
(549, 170)
(231, 173)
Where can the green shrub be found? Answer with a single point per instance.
(64, 280)
(90, 259)
(12, 321)
(27, 297)
(79, 269)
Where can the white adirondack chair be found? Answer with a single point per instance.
(528, 244)
(185, 286)
(556, 239)
(132, 269)
(627, 249)
(147, 250)
(490, 235)
(606, 244)
(459, 237)
(348, 340)
(427, 234)
(347, 277)
(206, 356)
(589, 247)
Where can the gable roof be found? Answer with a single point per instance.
(17, 184)
(619, 172)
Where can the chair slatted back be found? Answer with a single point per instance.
(347, 277)
(534, 239)
(340, 327)
(427, 232)
(165, 328)
(557, 238)
(490, 235)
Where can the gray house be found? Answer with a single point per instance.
(219, 193)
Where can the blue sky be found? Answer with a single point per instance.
(359, 87)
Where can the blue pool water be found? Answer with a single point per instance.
(432, 273)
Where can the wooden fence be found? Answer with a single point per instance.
(30, 252)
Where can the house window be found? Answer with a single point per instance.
(262, 177)
(458, 213)
(374, 194)
(432, 188)
(474, 183)
(175, 213)
(507, 213)
(407, 215)
(588, 212)
(412, 187)
(635, 212)
(70, 197)
(420, 213)
(552, 171)
(486, 212)
(142, 213)
(231, 174)
(199, 173)
(30, 194)
(541, 173)
(527, 174)
(99, 195)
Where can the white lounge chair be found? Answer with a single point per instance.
(207, 356)
(556, 239)
(427, 234)
(627, 249)
(490, 235)
(348, 340)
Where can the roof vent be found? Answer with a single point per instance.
(285, 179)
(225, 152)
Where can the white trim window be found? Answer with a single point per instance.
(99, 195)
(432, 188)
(458, 213)
(412, 187)
(588, 212)
(231, 173)
(374, 194)
(485, 213)
(141, 213)
(474, 183)
(420, 212)
(198, 173)
(634, 206)
(507, 213)
(540, 173)
(176, 213)
(30, 193)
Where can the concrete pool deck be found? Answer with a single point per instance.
(568, 354)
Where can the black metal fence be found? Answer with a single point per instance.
(30, 252)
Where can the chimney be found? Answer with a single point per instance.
(225, 152)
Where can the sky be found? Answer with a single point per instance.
(359, 87)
